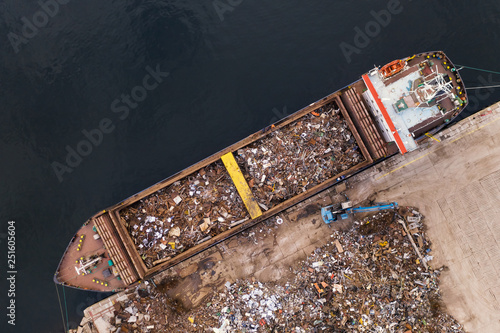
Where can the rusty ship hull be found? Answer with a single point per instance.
(340, 134)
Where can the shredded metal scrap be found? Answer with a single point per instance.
(302, 154)
(175, 218)
(368, 279)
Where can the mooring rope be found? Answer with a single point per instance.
(478, 69)
(66, 307)
(484, 87)
(481, 70)
(60, 307)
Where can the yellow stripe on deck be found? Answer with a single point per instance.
(432, 137)
(241, 185)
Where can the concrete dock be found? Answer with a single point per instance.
(455, 182)
(453, 178)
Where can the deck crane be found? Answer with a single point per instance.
(333, 213)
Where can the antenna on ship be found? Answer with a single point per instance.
(431, 87)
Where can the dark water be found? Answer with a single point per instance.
(227, 79)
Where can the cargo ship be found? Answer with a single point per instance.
(389, 110)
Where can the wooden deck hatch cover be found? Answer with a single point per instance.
(117, 252)
(366, 126)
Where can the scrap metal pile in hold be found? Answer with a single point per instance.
(369, 279)
(298, 156)
(175, 218)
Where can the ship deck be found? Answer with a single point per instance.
(90, 247)
(401, 96)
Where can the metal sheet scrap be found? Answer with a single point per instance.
(175, 218)
(292, 159)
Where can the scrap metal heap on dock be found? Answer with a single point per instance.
(299, 156)
(372, 278)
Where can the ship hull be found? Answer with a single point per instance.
(116, 237)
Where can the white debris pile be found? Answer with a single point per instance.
(376, 277)
(369, 279)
